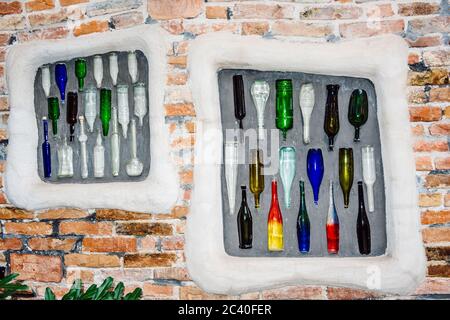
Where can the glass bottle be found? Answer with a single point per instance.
(303, 225)
(369, 174)
(133, 66)
(82, 138)
(80, 72)
(65, 160)
(72, 112)
(358, 110)
(306, 101)
(244, 222)
(46, 82)
(284, 106)
(113, 67)
(287, 172)
(61, 80)
(256, 175)
(105, 109)
(140, 102)
(134, 166)
(260, 93)
(315, 169)
(123, 108)
(275, 223)
(98, 70)
(46, 153)
(231, 167)
(362, 224)
(53, 113)
(99, 157)
(346, 173)
(90, 107)
(115, 144)
(239, 98)
(332, 224)
(331, 122)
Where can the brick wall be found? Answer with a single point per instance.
(52, 248)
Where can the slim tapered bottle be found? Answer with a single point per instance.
(90, 106)
(82, 138)
(72, 112)
(303, 225)
(231, 171)
(113, 67)
(362, 224)
(46, 154)
(306, 101)
(105, 109)
(98, 70)
(123, 108)
(275, 223)
(115, 144)
(244, 222)
(260, 93)
(331, 122)
(61, 80)
(133, 66)
(315, 169)
(65, 160)
(358, 110)
(140, 102)
(369, 173)
(256, 175)
(239, 98)
(99, 157)
(45, 77)
(284, 106)
(80, 72)
(346, 173)
(332, 225)
(287, 172)
(53, 113)
(134, 165)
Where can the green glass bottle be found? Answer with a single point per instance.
(358, 110)
(284, 106)
(105, 109)
(346, 172)
(80, 72)
(331, 121)
(53, 113)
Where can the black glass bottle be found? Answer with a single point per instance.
(72, 112)
(239, 98)
(331, 122)
(362, 223)
(244, 222)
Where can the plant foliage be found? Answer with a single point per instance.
(8, 288)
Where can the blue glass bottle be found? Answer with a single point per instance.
(315, 169)
(303, 225)
(61, 80)
(46, 157)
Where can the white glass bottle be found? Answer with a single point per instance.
(140, 102)
(98, 70)
(83, 151)
(123, 108)
(115, 144)
(306, 99)
(90, 107)
(134, 166)
(369, 174)
(113, 67)
(65, 160)
(260, 93)
(132, 66)
(46, 82)
(287, 171)
(99, 157)
(231, 166)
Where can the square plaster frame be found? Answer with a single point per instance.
(383, 60)
(157, 193)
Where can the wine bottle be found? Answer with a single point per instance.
(260, 93)
(105, 109)
(287, 172)
(306, 101)
(369, 175)
(115, 144)
(113, 67)
(140, 102)
(358, 110)
(80, 72)
(90, 106)
(332, 224)
(303, 225)
(123, 108)
(72, 112)
(315, 169)
(362, 224)
(98, 70)
(346, 173)
(82, 138)
(61, 80)
(239, 98)
(133, 66)
(65, 160)
(99, 157)
(256, 175)
(53, 113)
(275, 223)
(134, 166)
(244, 223)
(284, 106)
(46, 153)
(331, 122)
(45, 77)
(231, 166)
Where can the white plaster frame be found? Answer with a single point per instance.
(157, 193)
(383, 60)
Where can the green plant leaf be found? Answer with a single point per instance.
(90, 293)
(103, 289)
(135, 295)
(8, 279)
(49, 295)
(118, 292)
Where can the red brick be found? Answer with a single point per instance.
(51, 244)
(262, 11)
(447, 112)
(434, 286)
(38, 5)
(187, 176)
(439, 271)
(116, 244)
(425, 41)
(57, 214)
(438, 253)
(173, 243)
(442, 163)
(43, 34)
(92, 260)
(440, 94)
(430, 199)
(178, 61)
(10, 244)
(428, 146)
(201, 28)
(190, 126)
(71, 2)
(255, 28)
(436, 58)
(287, 28)
(7, 213)
(90, 27)
(417, 8)
(331, 13)
(143, 229)
(437, 180)
(447, 200)
(154, 290)
(2, 59)
(42, 19)
(177, 78)
(87, 276)
(380, 11)
(216, 12)
(195, 293)
(85, 228)
(173, 9)
(150, 260)
(440, 129)
(293, 292)
(424, 114)
(126, 20)
(183, 142)
(114, 214)
(363, 29)
(417, 130)
(429, 25)
(413, 58)
(180, 109)
(435, 216)
(37, 267)
(179, 212)
(173, 26)
(434, 235)
(180, 274)
(10, 7)
(12, 22)
(424, 163)
(335, 293)
(28, 228)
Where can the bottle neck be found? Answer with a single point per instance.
(361, 197)
(274, 193)
(45, 130)
(244, 196)
(302, 196)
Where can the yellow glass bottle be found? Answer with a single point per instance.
(256, 175)
(275, 223)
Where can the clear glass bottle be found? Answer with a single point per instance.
(46, 82)
(231, 167)
(99, 157)
(115, 144)
(90, 106)
(134, 166)
(133, 66)
(369, 174)
(287, 172)
(82, 138)
(123, 108)
(306, 101)
(140, 102)
(98, 70)
(260, 94)
(65, 160)
(113, 67)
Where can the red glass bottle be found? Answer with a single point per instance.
(275, 222)
(332, 225)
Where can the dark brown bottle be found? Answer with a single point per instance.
(239, 98)
(72, 112)
(362, 223)
(244, 222)
(331, 122)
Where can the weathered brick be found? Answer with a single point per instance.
(180, 109)
(195, 293)
(190, 126)
(202, 28)
(293, 292)
(173, 26)
(439, 271)
(434, 235)
(447, 112)
(442, 163)
(71, 2)
(287, 28)
(434, 286)
(187, 176)
(447, 200)
(373, 28)
(418, 8)
(437, 180)
(116, 244)
(51, 244)
(38, 5)
(437, 76)
(143, 229)
(413, 58)
(154, 290)
(255, 28)
(429, 146)
(12, 22)
(85, 228)
(177, 94)
(429, 25)
(436, 58)
(177, 78)
(7, 213)
(425, 41)
(331, 13)
(335, 293)
(115, 214)
(126, 20)
(179, 274)
(42, 34)
(92, 260)
(28, 228)
(380, 11)
(66, 213)
(183, 142)
(216, 12)
(430, 199)
(87, 276)
(424, 114)
(179, 212)
(435, 216)
(417, 95)
(173, 9)
(37, 267)
(438, 253)
(424, 163)
(440, 129)
(149, 260)
(147, 244)
(441, 94)
(179, 61)
(10, 7)
(111, 6)
(10, 244)
(262, 11)
(90, 27)
(41, 19)
(173, 243)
